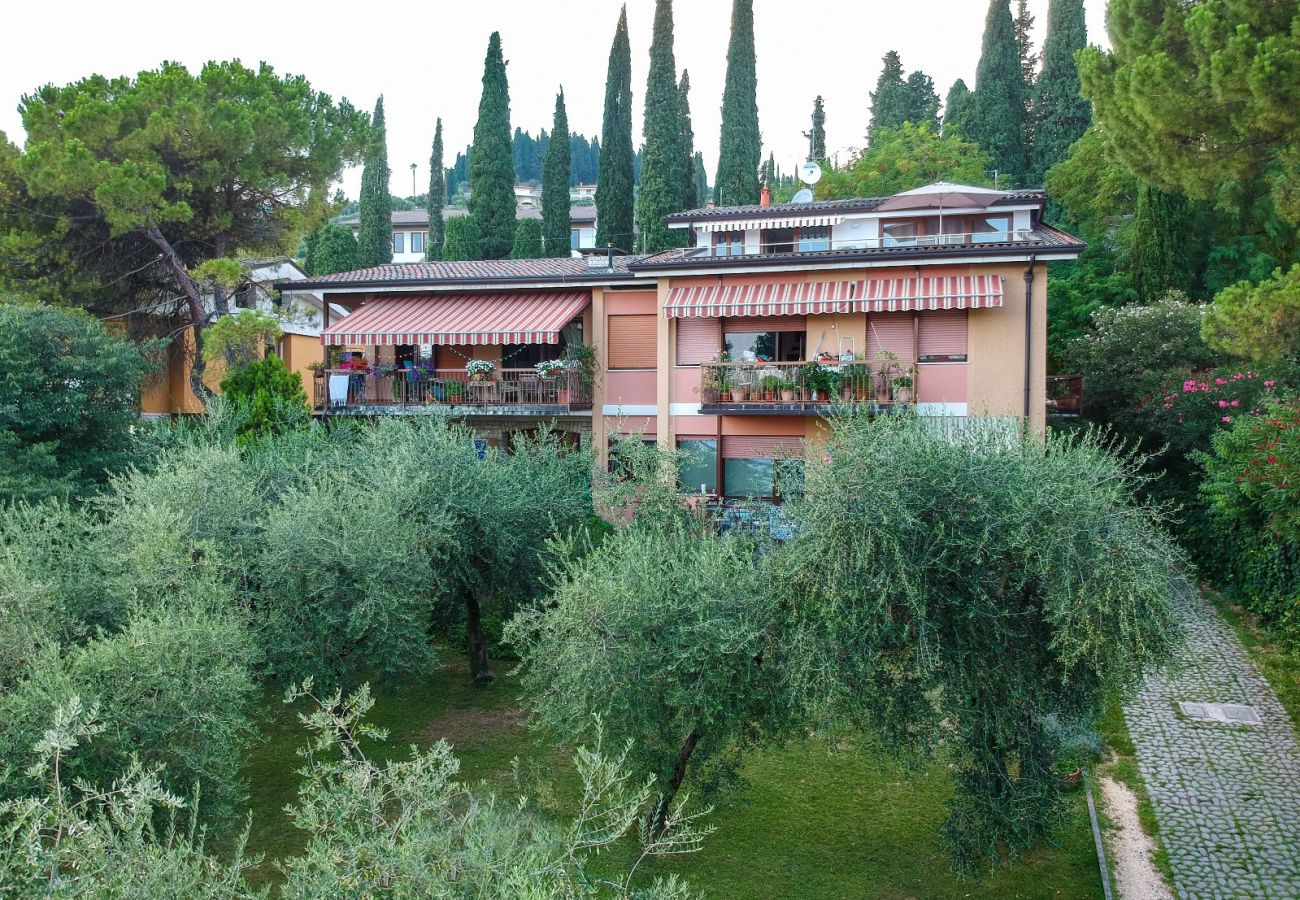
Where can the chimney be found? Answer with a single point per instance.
(765, 196)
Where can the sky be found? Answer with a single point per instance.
(426, 58)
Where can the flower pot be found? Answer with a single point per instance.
(724, 396)
(769, 396)
(787, 396)
(741, 394)
(902, 395)
(562, 396)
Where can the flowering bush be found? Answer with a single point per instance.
(1191, 406)
(480, 367)
(550, 368)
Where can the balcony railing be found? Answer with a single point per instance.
(824, 245)
(1064, 395)
(508, 390)
(801, 386)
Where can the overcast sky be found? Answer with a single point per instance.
(426, 58)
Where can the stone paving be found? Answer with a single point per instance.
(1227, 796)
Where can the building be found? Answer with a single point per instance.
(734, 348)
(299, 313)
(411, 228)
(582, 192)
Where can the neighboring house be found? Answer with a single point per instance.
(300, 315)
(933, 300)
(582, 192)
(411, 228)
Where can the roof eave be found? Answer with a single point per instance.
(593, 280)
(1064, 251)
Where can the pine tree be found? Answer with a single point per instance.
(529, 238)
(889, 101)
(700, 176)
(740, 148)
(333, 249)
(463, 239)
(958, 108)
(491, 168)
(1161, 243)
(998, 121)
(686, 145)
(661, 191)
(817, 134)
(922, 101)
(375, 237)
(555, 186)
(614, 204)
(1062, 114)
(436, 198)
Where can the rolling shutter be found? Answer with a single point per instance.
(698, 340)
(943, 335)
(632, 342)
(891, 332)
(759, 446)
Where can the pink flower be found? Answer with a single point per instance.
(1189, 386)
(1203, 386)
(1236, 403)
(1223, 404)
(1272, 460)
(1226, 419)
(1169, 406)
(1219, 381)
(1269, 383)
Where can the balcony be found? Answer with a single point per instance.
(506, 392)
(802, 388)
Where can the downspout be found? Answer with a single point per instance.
(1029, 320)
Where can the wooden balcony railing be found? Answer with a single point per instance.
(803, 386)
(512, 389)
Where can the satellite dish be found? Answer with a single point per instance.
(804, 196)
(810, 172)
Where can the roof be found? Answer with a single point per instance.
(860, 204)
(1045, 240)
(559, 270)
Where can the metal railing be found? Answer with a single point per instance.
(768, 384)
(967, 239)
(1064, 395)
(453, 388)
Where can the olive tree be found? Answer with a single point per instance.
(669, 636)
(978, 590)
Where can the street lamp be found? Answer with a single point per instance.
(413, 190)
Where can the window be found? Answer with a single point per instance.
(399, 241)
(988, 229)
(574, 238)
(417, 241)
(942, 335)
(770, 346)
(814, 238)
(527, 356)
(761, 466)
(729, 243)
(632, 341)
(698, 340)
(778, 240)
(698, 467)
(898, 234)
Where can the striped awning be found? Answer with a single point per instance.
(529, 317)
(819, 297)
(789, 222)
(781, 299)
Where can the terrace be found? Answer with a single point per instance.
(504, 392)
(803, 388)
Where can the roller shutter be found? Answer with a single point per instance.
(632, 342)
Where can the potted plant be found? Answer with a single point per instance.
(580, 368)
(787, 391)
(724, 389)
(888, 371)
(480, 369)
(549, 369)
(455, 391)
(902, 386)
(742, 383)
(317, 369)
(770, 384)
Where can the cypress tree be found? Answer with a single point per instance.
(922, 101)
(958, 108)
(1061, 113)
(463, 239)
(375, 237)
(437, 197)
(817, 134)
(528, 240)
(1162, 240)
(614, 170)
(740, 148)
(333, 250)
(555, 186)
(691, 198)
(661, 191)
(491, 167)
(890, 100)
(998, 121)
(700, 176)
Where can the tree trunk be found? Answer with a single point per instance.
(220, 299)
(659, 812)
(479, 666)
(194, 300)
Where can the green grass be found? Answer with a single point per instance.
(1277, 663)
(1123, 767)
(809, 823)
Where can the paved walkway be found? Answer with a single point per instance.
(1227, 797)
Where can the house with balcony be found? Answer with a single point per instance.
(735, 348)
(411, 228)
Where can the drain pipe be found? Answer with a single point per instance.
(1029, 326)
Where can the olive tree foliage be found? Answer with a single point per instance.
(978, 591)
(80, 840)
(668, 636)
(373, 828)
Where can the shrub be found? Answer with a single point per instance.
(268, 397)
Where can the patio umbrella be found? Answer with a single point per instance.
(943, 195)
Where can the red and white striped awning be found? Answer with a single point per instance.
(819, 297)
(788, 222)
(782, 299)
(530, 317)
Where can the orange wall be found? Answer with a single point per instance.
(941, 383)
(630, 387)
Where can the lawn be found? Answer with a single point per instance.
(809, 825)
(1277, 663)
